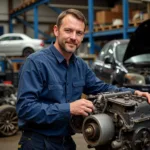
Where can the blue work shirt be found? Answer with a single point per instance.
(47, 85)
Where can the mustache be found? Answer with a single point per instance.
(72, 44)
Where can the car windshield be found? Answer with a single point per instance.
(120, 51)
(144, 58)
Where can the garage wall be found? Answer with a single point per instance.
(4, 15)
(46, 17)
(3, 10)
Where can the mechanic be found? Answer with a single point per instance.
(50, 87)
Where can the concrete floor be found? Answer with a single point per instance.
(10, 143)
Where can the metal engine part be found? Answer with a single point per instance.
(121, 121)
(8, 115)
(98, 129)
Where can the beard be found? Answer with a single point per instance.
(68, 47)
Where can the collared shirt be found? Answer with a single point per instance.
(47, 85)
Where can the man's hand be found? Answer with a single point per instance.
(145, 94)
(81, 107)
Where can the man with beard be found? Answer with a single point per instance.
(50, 88)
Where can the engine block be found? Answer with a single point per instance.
(120, 121)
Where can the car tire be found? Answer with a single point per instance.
(27, 51)
(8, 120)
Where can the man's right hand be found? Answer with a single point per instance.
(81, 107)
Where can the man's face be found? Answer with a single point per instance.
(70, 34)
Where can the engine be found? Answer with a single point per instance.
(120, 121)
(7, 94)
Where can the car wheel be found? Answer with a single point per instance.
(27, 52)
(8, 120)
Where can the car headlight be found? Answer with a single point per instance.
(136, 79)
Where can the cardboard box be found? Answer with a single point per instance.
(106, 17)
(116, 15)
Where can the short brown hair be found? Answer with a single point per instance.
(74, 12)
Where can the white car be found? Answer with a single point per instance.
(18, 44)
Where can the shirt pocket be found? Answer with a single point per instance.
(55, 92)
(78, 88)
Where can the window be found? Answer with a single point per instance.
(120, 51)
(12, 38)
(104, 51)
(6, 38)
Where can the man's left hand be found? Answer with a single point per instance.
(145, 94)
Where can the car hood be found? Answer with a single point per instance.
(139, 42)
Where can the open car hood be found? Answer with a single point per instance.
(139, 42)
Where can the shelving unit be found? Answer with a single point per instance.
(20, 10)
(124, 31)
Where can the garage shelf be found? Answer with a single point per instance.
(124, 31)
(20, 10)
(16, 63)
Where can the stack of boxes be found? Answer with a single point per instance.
(107, 17)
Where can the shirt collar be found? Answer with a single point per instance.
(60, 58)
